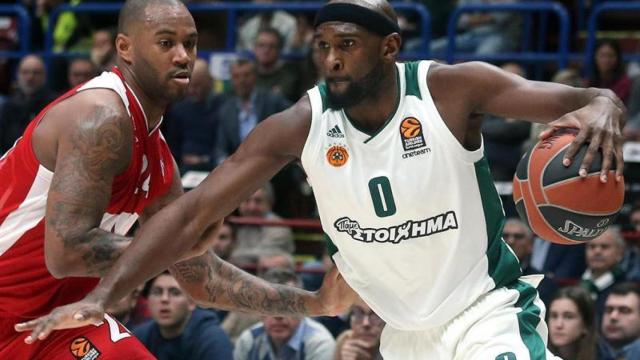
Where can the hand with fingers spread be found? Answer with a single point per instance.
(82, 313)
(599, 123)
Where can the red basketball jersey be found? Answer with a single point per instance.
(27, 289)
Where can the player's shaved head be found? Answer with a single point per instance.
(133, 12)
(382, 7)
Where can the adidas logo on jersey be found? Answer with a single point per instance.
(335, 132)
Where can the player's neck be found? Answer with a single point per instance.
(373, 112)
(153, 110)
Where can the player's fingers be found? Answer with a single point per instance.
(575, 145)
(619, 158)
(90, 316)
(607, 156)
(592, 150)
(26, 326)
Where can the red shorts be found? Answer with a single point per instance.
(109, 341)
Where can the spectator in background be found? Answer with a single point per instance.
(241, 111)
(178, 329)
(609, 71)
(273, 72)
(225, 241)
(362, 342)
(280, 20)
(274, 259)
(254, 240)
(632, 127)
(125, 310)
(192, 124)
(483, 33)
(285, 337)
(621, 324)
(520, 238)
(604, 254)
(103, 50)
(631, 261)
(80, 70)
(572, 328)
(70, 27)
(30, 96)
(503, 138)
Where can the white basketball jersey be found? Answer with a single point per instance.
(413, 218)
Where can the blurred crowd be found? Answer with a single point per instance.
(591, 291)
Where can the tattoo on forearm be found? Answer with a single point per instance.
(225, 285)
(81, 189)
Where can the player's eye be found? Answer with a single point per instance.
(165, 44)
(322, 45)
(346, 43)
(189, 44)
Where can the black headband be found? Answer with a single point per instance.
(359, 15)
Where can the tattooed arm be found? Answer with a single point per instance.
(212, 282)
(94, 144)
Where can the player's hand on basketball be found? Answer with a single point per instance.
(82, 313)
(335, 295)
(600, 124)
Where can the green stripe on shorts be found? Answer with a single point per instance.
(528, 320)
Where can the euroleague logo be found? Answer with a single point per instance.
(337, 155)
(411, 134)
(83, 349)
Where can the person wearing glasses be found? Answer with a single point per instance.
(362, 341)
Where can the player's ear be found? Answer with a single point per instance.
(391, 46)
(124, 47)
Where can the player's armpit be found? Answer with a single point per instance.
(213, 282)
(90, 154)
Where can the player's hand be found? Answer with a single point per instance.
(335, 296)
(357, 349)
(599, 123)
(204, 244)
(82, 313)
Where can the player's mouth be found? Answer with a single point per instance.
(181, 77)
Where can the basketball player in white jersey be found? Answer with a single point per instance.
(394, 154)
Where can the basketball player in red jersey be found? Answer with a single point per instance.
(87, 167)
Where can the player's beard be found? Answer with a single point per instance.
(357, 90)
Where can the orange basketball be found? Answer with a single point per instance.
(559, 205)
(80, 347)
(410, 128)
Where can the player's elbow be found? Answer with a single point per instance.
(56, 267)
(60, 262)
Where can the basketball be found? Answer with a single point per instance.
(410, 128)
(558, 205)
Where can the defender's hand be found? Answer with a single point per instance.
(335, 295)
(82, 313)
(600, 123)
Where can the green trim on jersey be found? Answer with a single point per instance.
(503, 265)
(322, 88)
(411, 75)
(331, 247)
(528, 319)
(386, 122)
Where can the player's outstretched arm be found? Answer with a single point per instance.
(170, 234)
(92, 148)
(212, 282)
(597, 113)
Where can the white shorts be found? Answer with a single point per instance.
(504, 324)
